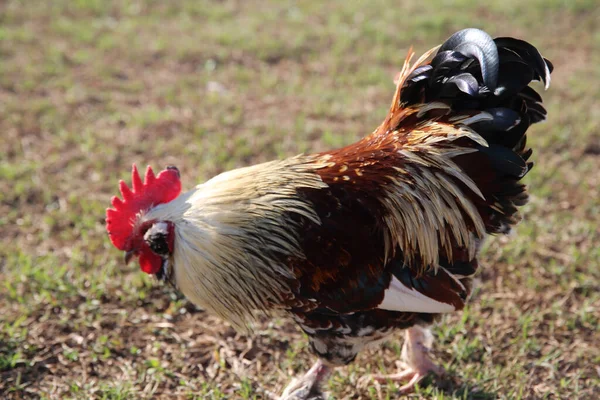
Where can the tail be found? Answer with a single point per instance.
(474, 93)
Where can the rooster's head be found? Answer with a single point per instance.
(149, 240)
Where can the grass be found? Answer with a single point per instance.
(88, 87)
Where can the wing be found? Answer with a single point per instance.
(347, 266)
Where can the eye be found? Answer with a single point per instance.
(157, 238)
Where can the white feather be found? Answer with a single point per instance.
(233, 231)
(399, 297)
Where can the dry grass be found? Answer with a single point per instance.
(89, 86)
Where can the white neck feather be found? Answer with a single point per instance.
(234, 231)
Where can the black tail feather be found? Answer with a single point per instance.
(474, 74)
(476, 44)
(465, 79)
(530, 55)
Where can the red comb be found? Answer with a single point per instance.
(155, 190)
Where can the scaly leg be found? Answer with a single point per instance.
(309, 386)
(417, 344)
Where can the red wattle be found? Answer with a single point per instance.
(150, 262)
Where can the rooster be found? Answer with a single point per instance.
(361, 241)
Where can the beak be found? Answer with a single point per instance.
(128, 256)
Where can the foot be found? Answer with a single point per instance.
(309, 386)
(415, 356)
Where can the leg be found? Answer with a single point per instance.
(309, 386)
(417, 344)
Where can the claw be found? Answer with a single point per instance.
(308, 387)
(414, 354)
(411, 375)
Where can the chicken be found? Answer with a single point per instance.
(361, 241)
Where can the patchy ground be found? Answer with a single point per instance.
(88, 87)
